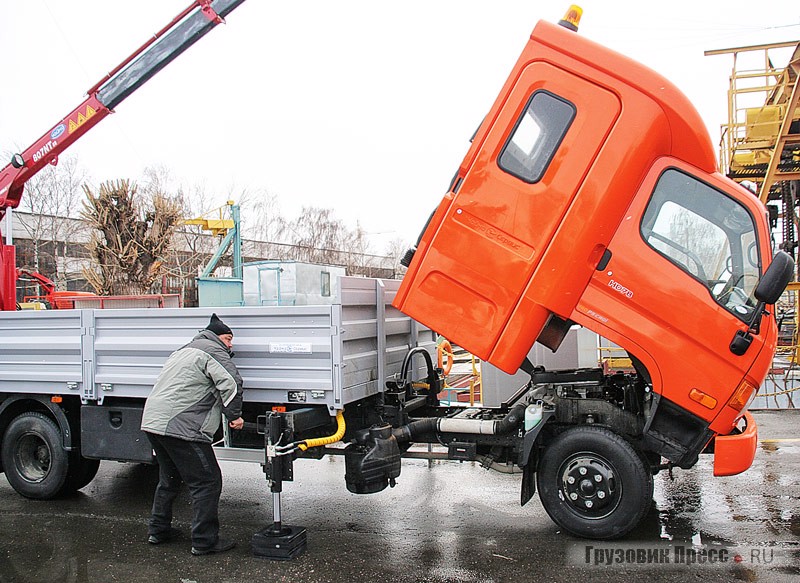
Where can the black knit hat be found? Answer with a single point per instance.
(218, 327)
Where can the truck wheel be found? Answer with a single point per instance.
(593, 483)
(34, 460)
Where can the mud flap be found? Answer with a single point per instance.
(528, 481)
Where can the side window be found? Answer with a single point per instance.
(325, 283)
(536, 137)
(707, 234)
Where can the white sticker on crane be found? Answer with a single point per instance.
(290, 347)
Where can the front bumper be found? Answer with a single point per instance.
(734, 453)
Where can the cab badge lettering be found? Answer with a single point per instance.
(597, 316)
(619, 288)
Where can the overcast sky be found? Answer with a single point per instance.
(365, 107)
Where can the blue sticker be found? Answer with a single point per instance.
(57, 131)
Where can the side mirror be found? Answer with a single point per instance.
(778, 275)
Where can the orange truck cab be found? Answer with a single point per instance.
(590, 195)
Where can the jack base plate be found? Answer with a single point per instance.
(282, 545)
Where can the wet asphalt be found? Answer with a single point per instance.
(444, 522)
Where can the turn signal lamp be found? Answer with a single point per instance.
(704, 399)
(743, 396)
(572, 18)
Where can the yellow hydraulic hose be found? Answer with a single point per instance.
(304, 445)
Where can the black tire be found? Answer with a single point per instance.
(593, 483)
(34, 459)
(81, 472)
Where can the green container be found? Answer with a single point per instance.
(219, 292)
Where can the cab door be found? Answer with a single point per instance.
(680, 285)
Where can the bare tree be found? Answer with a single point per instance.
(50, 195)
(322, 238)
(318, 236)
(396, 250)
(191, 246)
(357, 256)
(131, 238)
(264, 219)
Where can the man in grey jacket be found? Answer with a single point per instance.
(198, 384)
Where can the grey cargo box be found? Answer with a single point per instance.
(319, 355)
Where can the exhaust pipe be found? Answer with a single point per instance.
(426, 428)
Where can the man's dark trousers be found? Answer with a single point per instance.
(194, 463)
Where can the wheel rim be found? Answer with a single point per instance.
(589, 486)
(33, 458)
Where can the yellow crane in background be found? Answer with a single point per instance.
(761, 139)
(225, 224)
(760, 144)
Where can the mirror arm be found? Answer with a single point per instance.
(741, 339)
(755, 321)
